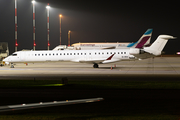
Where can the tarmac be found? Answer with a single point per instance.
(158, 66)
(117, 102)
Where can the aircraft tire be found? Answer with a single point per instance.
(96, 66)
(12, 66)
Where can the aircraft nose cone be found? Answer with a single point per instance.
(6, 60)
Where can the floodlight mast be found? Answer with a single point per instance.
(69, 37)
(34, 28)
(48, 7)
(16, 44)
(60, 16)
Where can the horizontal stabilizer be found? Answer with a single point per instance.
(157, 47)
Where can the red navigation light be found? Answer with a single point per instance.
(34, 44)
(16, 44)
(48, 44)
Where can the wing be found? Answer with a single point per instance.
(92, 61)
(109, 47)
(98, 61)
(47, 104)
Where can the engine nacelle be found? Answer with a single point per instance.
(136, 51)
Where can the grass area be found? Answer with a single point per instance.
(87, 117)
(129, 84)
(92, 84)
(126, 113)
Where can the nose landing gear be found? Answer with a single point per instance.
(12, 65)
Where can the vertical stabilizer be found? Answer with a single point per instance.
(144, 40)
(157, 47)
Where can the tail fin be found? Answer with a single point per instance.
(144, 40)
(157, 47)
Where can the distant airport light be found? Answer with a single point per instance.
(178, 53)
(16, 44)
(48, 7)
(33, 1)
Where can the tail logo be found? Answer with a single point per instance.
(142, 42)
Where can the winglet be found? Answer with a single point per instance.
(110, 57)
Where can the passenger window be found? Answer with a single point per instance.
(70, 53)
(81, 53)
(56, 53)
(121, 52)
(89, 53)
(74, 53)
(124, 52)
(107, 52)
(67, 53)
(50, 54)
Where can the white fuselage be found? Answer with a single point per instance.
(93, 46)
(86, 46)
(86, 56)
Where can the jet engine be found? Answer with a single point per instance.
(136, 51)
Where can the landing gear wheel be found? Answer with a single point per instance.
(96, 66)
(12, 66)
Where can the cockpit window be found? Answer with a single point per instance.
(14, 54)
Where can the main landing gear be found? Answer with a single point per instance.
(12, 65)
(95, 65)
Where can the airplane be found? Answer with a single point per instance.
(47, 104)
(143, 41)
(90, 56)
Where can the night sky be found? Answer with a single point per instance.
(89, 21)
